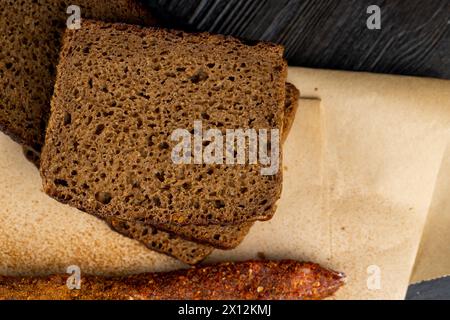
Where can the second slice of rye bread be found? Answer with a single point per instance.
(120, 92)
(164, 242)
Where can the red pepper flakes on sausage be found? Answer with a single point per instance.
(254, 280)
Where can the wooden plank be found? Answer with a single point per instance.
(414, 38)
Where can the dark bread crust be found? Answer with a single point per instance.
(249, 280)
(186, 251)
(153, 204)
(32, 156)
(32, 40)
(223, 237)
(290, 108)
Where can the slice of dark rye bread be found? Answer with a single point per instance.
(30, 38)
(163, 242)
(223, 237)
(120, 92)
(32, 155)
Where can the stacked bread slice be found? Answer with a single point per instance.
(120, 92)
(30, 36)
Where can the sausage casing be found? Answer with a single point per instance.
(254, 280)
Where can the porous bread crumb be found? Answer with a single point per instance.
(131, 87)
(31, 38)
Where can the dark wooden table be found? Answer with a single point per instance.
(414, 39)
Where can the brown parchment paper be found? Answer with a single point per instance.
(385, 139)
(38, 235)
(433, 258)
(383, 143)
(360, 168)
(428, 101)
(413, 123)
